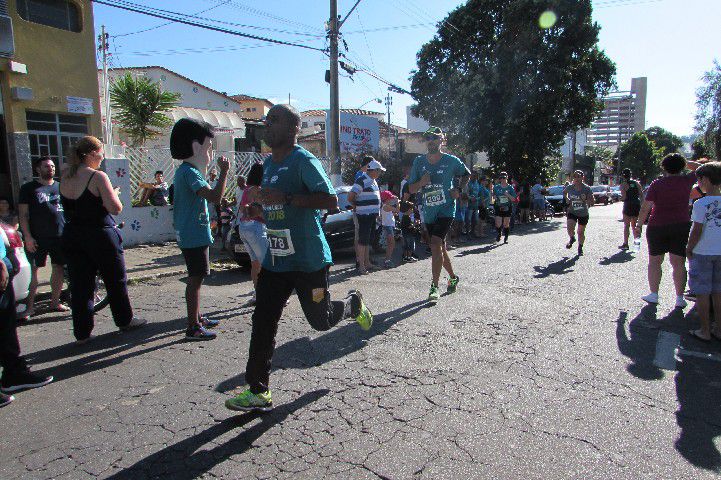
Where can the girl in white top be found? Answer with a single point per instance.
(388, 221)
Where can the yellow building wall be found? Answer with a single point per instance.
(261, 108)
(59, 63)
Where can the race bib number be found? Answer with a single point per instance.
(281, 245)
(503, 199)
(434, 197)
(577, 205)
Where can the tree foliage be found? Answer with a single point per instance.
(699, 148)
(708, 114)
(640, 155)
(664, 139)
(139, 106)
(499, 83)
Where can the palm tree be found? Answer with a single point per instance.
(140, 107)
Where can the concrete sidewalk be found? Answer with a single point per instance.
(144, 262)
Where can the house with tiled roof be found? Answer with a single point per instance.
(197, 101)
(254, 108)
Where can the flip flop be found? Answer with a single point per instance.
(694, 333)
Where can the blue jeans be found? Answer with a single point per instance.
(255, 239)
(409, 242)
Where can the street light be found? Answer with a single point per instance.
(377, 100)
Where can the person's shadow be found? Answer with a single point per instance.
(640, 345)
(483, 249)
(187, 459)
(622, 256)
(559, 267)
(343, 340)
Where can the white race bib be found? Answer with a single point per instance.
(281, 245)
(577, 205)
(434, 196)
(503, 199)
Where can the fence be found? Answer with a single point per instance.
(144, 162)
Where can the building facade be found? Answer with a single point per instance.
(624, 113)
(196, 101)
(254, 108)
(48, 85)
(313, 121)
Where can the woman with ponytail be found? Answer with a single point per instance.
(91, 239)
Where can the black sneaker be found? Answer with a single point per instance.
(22, 380)
(571, 242)
(5, 399)
(198, 333)
(580, 249)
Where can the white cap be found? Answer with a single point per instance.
(376, 165)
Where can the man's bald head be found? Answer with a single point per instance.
(289, 112)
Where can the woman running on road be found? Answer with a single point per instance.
(631, 191)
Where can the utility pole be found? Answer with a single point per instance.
(573, 151)
(333, 127)
(389, 102)
(103, 47)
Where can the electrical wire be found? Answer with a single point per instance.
(169, 16)
(262, 13)
(169, 23)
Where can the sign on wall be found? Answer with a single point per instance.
(358, 133)
(80, 105)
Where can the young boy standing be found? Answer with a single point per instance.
(704, 251)
(190, 141)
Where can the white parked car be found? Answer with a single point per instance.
(16, 253)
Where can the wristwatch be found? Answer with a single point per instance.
(288, 198)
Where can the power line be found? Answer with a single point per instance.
(262, 13)
(169, 16)
(169, 23)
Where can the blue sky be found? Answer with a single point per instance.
(672, 42)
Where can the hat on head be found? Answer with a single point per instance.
(387, 195)
(433, 132)
(376, 165)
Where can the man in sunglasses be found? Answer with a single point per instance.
(433, 176)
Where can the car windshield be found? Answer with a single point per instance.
(557, 190)
(599, 188)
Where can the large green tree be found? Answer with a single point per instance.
(500, 83)
(640, 155)
(664, 139)
(708, 115)
(140, 105)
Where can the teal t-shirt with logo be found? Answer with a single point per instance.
(435, 197)
(295, 237)
(503, 203)
(190, 210)
(474, 192)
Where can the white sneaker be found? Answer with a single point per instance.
(680, 302)
(134, 323)
(650, 298)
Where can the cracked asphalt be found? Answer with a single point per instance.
(542, 365)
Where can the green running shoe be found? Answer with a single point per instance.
(433, 295)
(452, 284)
(364, 317)
(250, 402)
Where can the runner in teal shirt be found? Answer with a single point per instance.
(503, 206)
(432, 176)
(296, 239)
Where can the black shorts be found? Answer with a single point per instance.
(482, 213)
(46, 246)
(631, 209)
(581, 220)
(197, 260)
(366, 224)
(668, 239)
(440, 227)
(506, 212)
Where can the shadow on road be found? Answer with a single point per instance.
(559, 267)
(622, 256)
(108, 349)
(698, 380)
(483, 249)
(640, 344)
(306, 353)
(187, 459)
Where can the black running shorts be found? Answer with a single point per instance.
(440, 227)
(581, 220)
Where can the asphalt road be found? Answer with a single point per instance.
(542, 365)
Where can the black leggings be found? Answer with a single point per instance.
(273, 290)
(89, 251)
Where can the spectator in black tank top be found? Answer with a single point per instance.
(631, 192)
(91, 240)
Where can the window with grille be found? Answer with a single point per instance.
(62, 14)
(53, 134)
